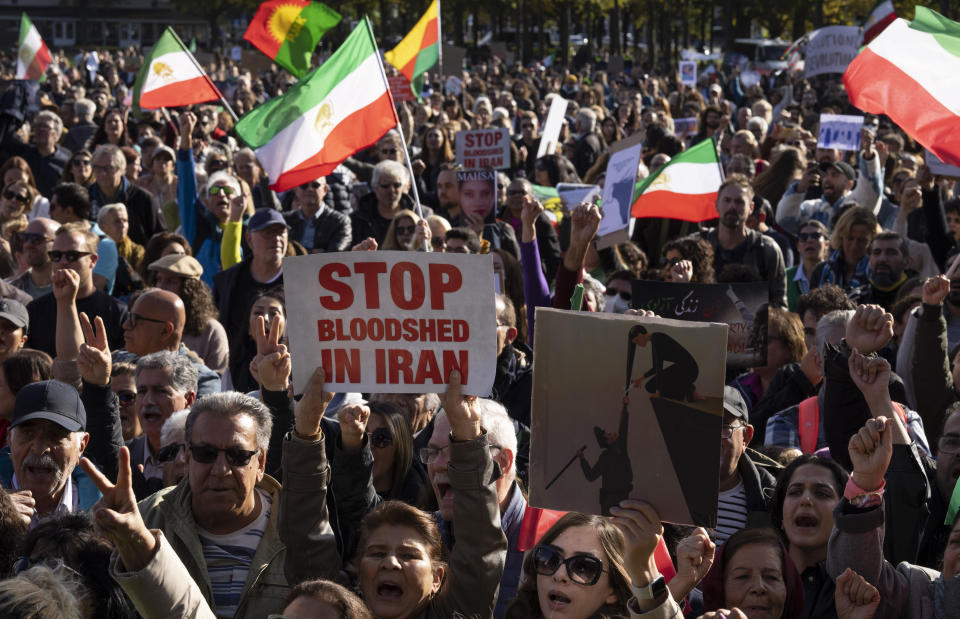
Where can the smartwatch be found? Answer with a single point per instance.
(651, 591)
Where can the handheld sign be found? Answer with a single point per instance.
(620, 179)
(938, 167)
(840, 131)
(395, 321)
(400, 88)
(483, 148)
(551, 129)
(636, 404)
(688, 73)
(684, 127)
(830, 49)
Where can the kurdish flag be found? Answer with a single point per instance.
(288, 31)
(881, 16)
(171, 77)
(685, 188)
(339, 108)
(33, 56)
(911, 73)
(420, 49)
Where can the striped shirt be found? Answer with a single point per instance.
(228, 559)
(731, 512)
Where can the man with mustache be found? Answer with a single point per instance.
(889, 258)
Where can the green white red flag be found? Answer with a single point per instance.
(339, 108)
(288, 31)
(685, 188)
(33, 56)
(909, 72)
(171, 77)
(881, 16)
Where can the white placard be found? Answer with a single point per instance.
(393, 321)
(618, 186)
(688, 73)
(840, 131)
(483, 149)
(572, 194)
(551, 128)
(830, 49)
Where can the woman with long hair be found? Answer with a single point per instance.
(17, 169)
(786, 167)
(113, 129)
(162, 244)
(406, 232)
(687, 260)
(437, 150)
(79, 169)
(16, 200)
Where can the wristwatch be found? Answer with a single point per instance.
(651, 591)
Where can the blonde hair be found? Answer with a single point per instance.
(42, 592)
(854, 216)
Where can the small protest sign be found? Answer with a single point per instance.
(392, 321)
(619, 182)
(598, 438)
(840, 131)
(743, 306)
(479, 149)
(683, 127)
(688, 73)
(830, 49)
(477, 190)
(549, 197)
(400, 88)
(572, 194)
(236, 53)
(938, 167)
(551, 129)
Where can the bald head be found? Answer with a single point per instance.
(155, 323)
(42, 225)
(37, 241)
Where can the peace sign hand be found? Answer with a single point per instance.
(93, 357)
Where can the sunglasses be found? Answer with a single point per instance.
(171, 451)
(380, 438)
(216, 164)
(406, 229)
(581, 568)
(612, 292)
(82, 163)
(313, 185)
(207, 454)
(224, 189)
(438, 243)
(809, 236)
(126, 397)
(13, 195)
(516, 192)
(71, 256)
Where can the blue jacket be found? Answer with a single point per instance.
(199, 227)
(87, 493)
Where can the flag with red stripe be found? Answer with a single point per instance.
(171, 77)
(881, 16)
(33, 56)
(420, 49)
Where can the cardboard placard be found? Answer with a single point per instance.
(742, 306)
(392, 321)
(618, 185)
(840, 131)
(400, 88)
(683, 127)
(830, 49)
(480, 149)
(688, 73)
(598, 438)
(477, 191)
(550, 137)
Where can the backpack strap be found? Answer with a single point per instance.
(808, 424)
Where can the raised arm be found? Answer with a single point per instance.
(934, 390)
(187, 178)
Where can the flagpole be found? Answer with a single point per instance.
(393, 106)
(223, 101)
(440, 49)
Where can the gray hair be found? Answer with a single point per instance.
(484, 101)
(115, 154)
(588, 117)
(246, 151)
(391, 167)
(828, 326)
(174, 428)
(183, 374)
(84, 109)
(757, 122)
(54, 118)
(107, 209)
(222, 175)
(42, 592)
(233, 403)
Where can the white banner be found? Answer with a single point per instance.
(551, 128)
(830, 49)
(840, 131)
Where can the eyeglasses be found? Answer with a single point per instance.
(664, 261)
(948, 444)
(727, 431)
(126, 397)
(438, 243)
(216, 164)
(380, 438)
(104, 168)
(30, 237)
(429, 454)
(134, 318)
(13, 195)
(71, 256)
(207, 454)
(809, 236)
(82, 163)
(224, 189)
(581, 568)
(171, 451)
(313, 185)
(406, 229)
(391, 185)
(612, 292)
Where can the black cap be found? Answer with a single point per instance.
(265, 217)
(53, 401)
(15, 312)
(841, 166)
(734, 404)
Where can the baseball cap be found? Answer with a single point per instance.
(163, 148)
(50, 400)
(178, 264)
(842, 166)
(15, 312)
(734, 404)
(265, 217)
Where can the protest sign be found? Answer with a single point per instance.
(549, 197)
(551, 129)
(840, 131)
(749, 79)
(938, 167)
(392, 321)
(683, 127)
(477, 193)
(743, 306)
(830, 49)
(597, 438)
(480, 149)
(453, 60)
(453, 86)
(688, 73)
(400, 88)
(619, 182)
(572, 194)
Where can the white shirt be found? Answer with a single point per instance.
(67, 505)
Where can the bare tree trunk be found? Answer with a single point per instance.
(615, 28)
(564, 32)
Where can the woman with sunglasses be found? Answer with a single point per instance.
(16, 200)
(406, 232)
(79, 169)
(16, 169)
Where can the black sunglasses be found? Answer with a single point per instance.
(71, 256)
(126, 397)
(380, 438)
(664, 261)
(581, 568)
(10, 194)
(207, 454)
(171, 451)
(30, 237)
(809, 236)
(406, 229)
(612, 292)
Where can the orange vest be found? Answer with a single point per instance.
(809, 423)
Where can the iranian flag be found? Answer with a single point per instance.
(685, 188)
(33, 56)
(171, 77)
(339, 108)
(910, 73)
(420, 49)
(288, 31)
(881, 16)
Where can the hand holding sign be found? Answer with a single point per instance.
(309, 410)
(463, 412)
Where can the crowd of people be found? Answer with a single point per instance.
(155, 463)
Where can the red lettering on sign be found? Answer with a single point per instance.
(444, 279)
(417, 285)
(371, 272)
(345, 367)
(399, 363)
(325, 277)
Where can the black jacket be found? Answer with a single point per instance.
(367, 222)
(758, 485)
(332, 231)
(145, 218)
(513, 381)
